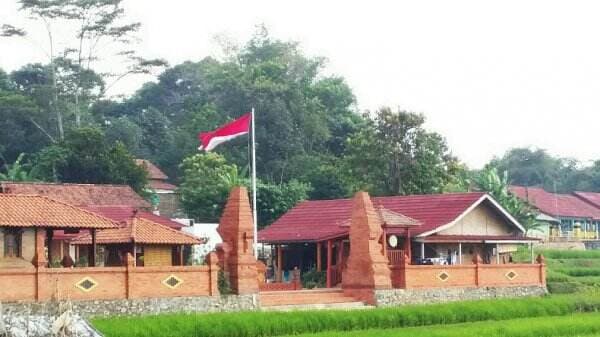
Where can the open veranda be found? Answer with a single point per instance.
(571, 309)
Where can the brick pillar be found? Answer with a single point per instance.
(130, 269)
(212, 260)
(542, 262)
(477, 261)
(40, 262)
(237, 231)
(367, 267)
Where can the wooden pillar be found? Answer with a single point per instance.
(497, 253)
(329, 253)
(181, 262)
(407, 246)
(340, 255)
(319, 257)
(460, 256)
(278, 276)
(92, 262)
(384, 243)
(49, 235)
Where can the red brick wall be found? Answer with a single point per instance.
(17, 285)
(482, 275)
(109, 283)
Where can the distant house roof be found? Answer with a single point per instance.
(157, 179)
(126, 213)
(589, 197)
(556, 205)
(323, 219)
(17, 210)
(139, 230)
(79, 194)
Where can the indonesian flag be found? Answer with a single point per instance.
(210, 140)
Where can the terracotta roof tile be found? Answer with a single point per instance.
(140, 230)
(320, 219)
(17, 210)
(589, 197)
(126, 213)
(161, 185)
(554, 204)
(153, 171)
(79, 194)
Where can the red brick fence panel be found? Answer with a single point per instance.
(82, 283)
(481, 275)
(439, 276)
(170, 281)
(18, 285)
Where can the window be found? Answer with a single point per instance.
(12, 242)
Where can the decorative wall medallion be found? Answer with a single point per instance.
(393, 241)
(86, 284)
(443, 276)
(511, 275)
(172, 282)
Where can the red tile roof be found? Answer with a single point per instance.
(475, 238)
(139, 230)
(79, 194)
(161, 185)
(125, 213)
(153, 171)
(17, 210)
(321, 219)
(554, 204)
(589, 197)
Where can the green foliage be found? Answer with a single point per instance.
(208, 179)
(203, 188)
(85, 157)
(535, 167)
(490, 181)
(16, 171)
(82, 262)
(314, 279)
(394, 155)
(263, 324)
(223, 283)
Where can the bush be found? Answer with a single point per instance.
(223, 283)
(564, 287)
(314, 279)
(265, 324)
(571, 254)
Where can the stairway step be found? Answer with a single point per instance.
(304, 297)
(325, 306)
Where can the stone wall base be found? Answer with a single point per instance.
(398, 297)
(149, 306)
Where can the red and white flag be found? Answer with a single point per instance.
(209, 140)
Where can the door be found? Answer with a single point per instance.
(12, 243)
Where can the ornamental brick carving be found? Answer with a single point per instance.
(237, 231)
(367, 265)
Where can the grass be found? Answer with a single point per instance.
(571, 325)
(263, 324)
(571, 271)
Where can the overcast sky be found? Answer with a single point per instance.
(488, 76)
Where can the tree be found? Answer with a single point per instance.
(16, 171)
(491, 182)
(84, 156)
(99, 27)
(208, 178)
(394, 155)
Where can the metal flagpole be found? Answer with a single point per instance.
(254, 210)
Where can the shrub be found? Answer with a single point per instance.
(571, 254)
(314, 279)
(223, 283)
(564, 287)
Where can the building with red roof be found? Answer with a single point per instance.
(576, 216)
(158, 182)
(441, 228)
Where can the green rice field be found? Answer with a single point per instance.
(572, 309)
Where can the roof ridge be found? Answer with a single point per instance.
(166, 227)
(59, 184)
